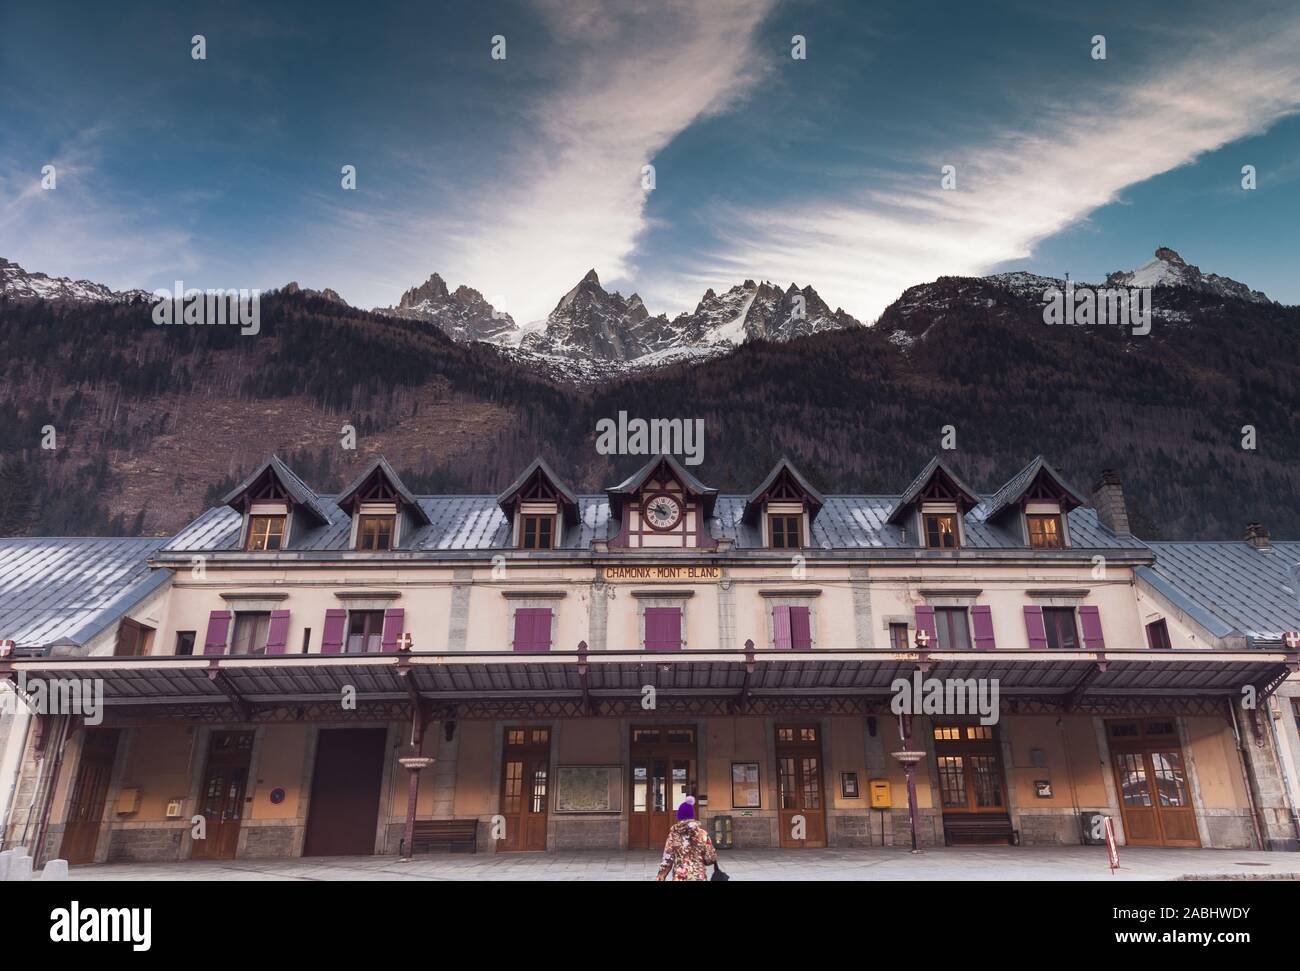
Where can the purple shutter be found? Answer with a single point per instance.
(218, 629)
(533, 630)
(925, 622)
(1090, 621)
(331, 639)
(800, 629)
(663, 629)
(1035, 628)
(982, 620)
(393, 620)
(781, 628)
(277, 636)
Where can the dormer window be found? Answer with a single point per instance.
(540, 509)
(784, 530)
(384, 512)
(537, 531)
(785, 506)
(265, 532)
(940, 530)
(375, 531)
(1045, 532)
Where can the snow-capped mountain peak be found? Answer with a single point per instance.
(18, 283)
(463, 314)
(1168, 269)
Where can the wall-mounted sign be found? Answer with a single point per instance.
(277, 796)
(1043, 788)
(589, 789)
(663, 574)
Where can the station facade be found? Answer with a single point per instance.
(558, 671)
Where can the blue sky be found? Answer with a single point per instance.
(515, 176)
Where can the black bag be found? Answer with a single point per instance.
(718, 873)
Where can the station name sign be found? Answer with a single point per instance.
(663, 574)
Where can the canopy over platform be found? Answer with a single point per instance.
(581, 683)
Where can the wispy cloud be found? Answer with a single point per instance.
(1018, 187)
(574, 200)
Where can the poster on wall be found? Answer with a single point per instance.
(589, 789)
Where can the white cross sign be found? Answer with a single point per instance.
(1292, 640)
(405, 642)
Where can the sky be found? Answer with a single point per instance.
(515, 175)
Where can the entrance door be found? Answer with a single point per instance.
(971, 788)
(800, 801)
(1155, 797)
(343, 815)
(663, 775)
(222, 799)
(86, 809)
(525, 788)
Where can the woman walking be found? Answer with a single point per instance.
(688, 849)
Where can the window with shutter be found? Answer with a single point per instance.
(532, 630)
(663, 628)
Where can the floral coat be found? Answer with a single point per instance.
(687, 852)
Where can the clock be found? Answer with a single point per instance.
(662, 511)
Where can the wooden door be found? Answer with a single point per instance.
(525, 788)
(1154, 792)
(972, 790)
(89, 793)
(800, 795)
(343, 815)
(663, 775)
(221, 801)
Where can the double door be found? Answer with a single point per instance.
(1155, 795)
(89, 794)
(221, 803)
(972, 792)
(800, 797)
(525, 788)
(664, 773)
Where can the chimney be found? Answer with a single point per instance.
(1257, 536)
(1108, 500)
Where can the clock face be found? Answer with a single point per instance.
(663, 511)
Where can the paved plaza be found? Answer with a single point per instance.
(966, 863)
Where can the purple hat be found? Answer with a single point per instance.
(687, 809)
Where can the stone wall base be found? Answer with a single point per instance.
(600, 833)
(270, 842)
(145, 845)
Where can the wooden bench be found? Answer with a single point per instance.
(450, 833)
(976, 829)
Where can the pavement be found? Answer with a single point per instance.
(936, 864)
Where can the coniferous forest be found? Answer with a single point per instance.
(152, 423)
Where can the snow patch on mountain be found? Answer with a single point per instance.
(18, 283)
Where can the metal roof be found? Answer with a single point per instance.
(911, 493)
(1253, 592)
(480, 675)
(1020, 482)
(399, 487)
(470, 523)
(302, 493)
(66, 591)
(818, 500)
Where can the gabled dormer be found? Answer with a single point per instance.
(1034, 505)
(276, 506)
(662, 506)
(932, 509)
(783, 508)
(540, 507)
(384, 512)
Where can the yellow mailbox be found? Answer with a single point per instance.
(879, 793)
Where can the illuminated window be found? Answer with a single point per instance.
(265, 533)
(940, 530)
(1045, 532)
